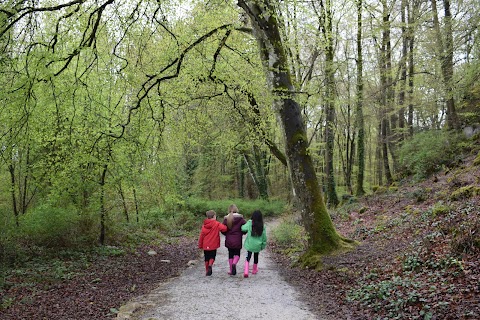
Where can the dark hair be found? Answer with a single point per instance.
(257, 223)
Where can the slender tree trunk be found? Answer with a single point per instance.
(323, 237)
(137, 213)
(411, 66)
(386, 92)
(386, 164)
(23, 187)
(102, 205)
(359, 110)
(11, 169)
(445, 53)
(332, 198)
(257, 171)
(241, 179)
(378, 153)
(403, 75)
(124, 202)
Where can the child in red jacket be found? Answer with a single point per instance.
(209, 239)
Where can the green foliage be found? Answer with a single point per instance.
(56, 227)
(385, 295)
(246, 207)
(419, 195)
(466, 235)
(289, 236)
(427, 152)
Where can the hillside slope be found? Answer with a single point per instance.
(418, 257)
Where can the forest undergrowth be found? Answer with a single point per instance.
(418, 258)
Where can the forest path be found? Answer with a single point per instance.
(193, 295)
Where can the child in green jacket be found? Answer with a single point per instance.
(255, 241)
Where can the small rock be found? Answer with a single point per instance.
(152, 252)
(191, 263)
(166, 261)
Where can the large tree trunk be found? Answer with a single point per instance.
(323, 238)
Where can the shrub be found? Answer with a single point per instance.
(53, 227)
(427, 152)
(467, 239)
(246, 207)
(289, 236)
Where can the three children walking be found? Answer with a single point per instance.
(233, 227)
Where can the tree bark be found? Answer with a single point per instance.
(102, 206)
(445, 53)
(360, 124)
(11, 169)
(323, 238)
(332, 198)
(411, 66)
(256, 167)
(124, 201)
(241, 179)
(403, 75)
(137, 212)
(386, 90)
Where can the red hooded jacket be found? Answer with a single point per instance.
(210, 234)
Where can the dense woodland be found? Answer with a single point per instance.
(118, 115)
(122, 122)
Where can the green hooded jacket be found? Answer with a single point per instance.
(254, 244)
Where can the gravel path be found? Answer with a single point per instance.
(193, 295)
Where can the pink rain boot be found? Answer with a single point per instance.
(206, 268)
(210, 265)
(255, 268)
(230, 262)
(245, 270)
(234, 264)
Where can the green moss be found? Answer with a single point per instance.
(298, 136)
(311, 260)
(440, 209)
(476, 162)
(465, 193)
(379, 189)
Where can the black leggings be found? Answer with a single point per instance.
(233, 252)
(210, 254)
(255, 256)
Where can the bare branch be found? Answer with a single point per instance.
(28, 10)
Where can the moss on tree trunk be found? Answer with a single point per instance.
(323, 238)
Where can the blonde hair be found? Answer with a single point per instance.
(231, 210)
(210, 214)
